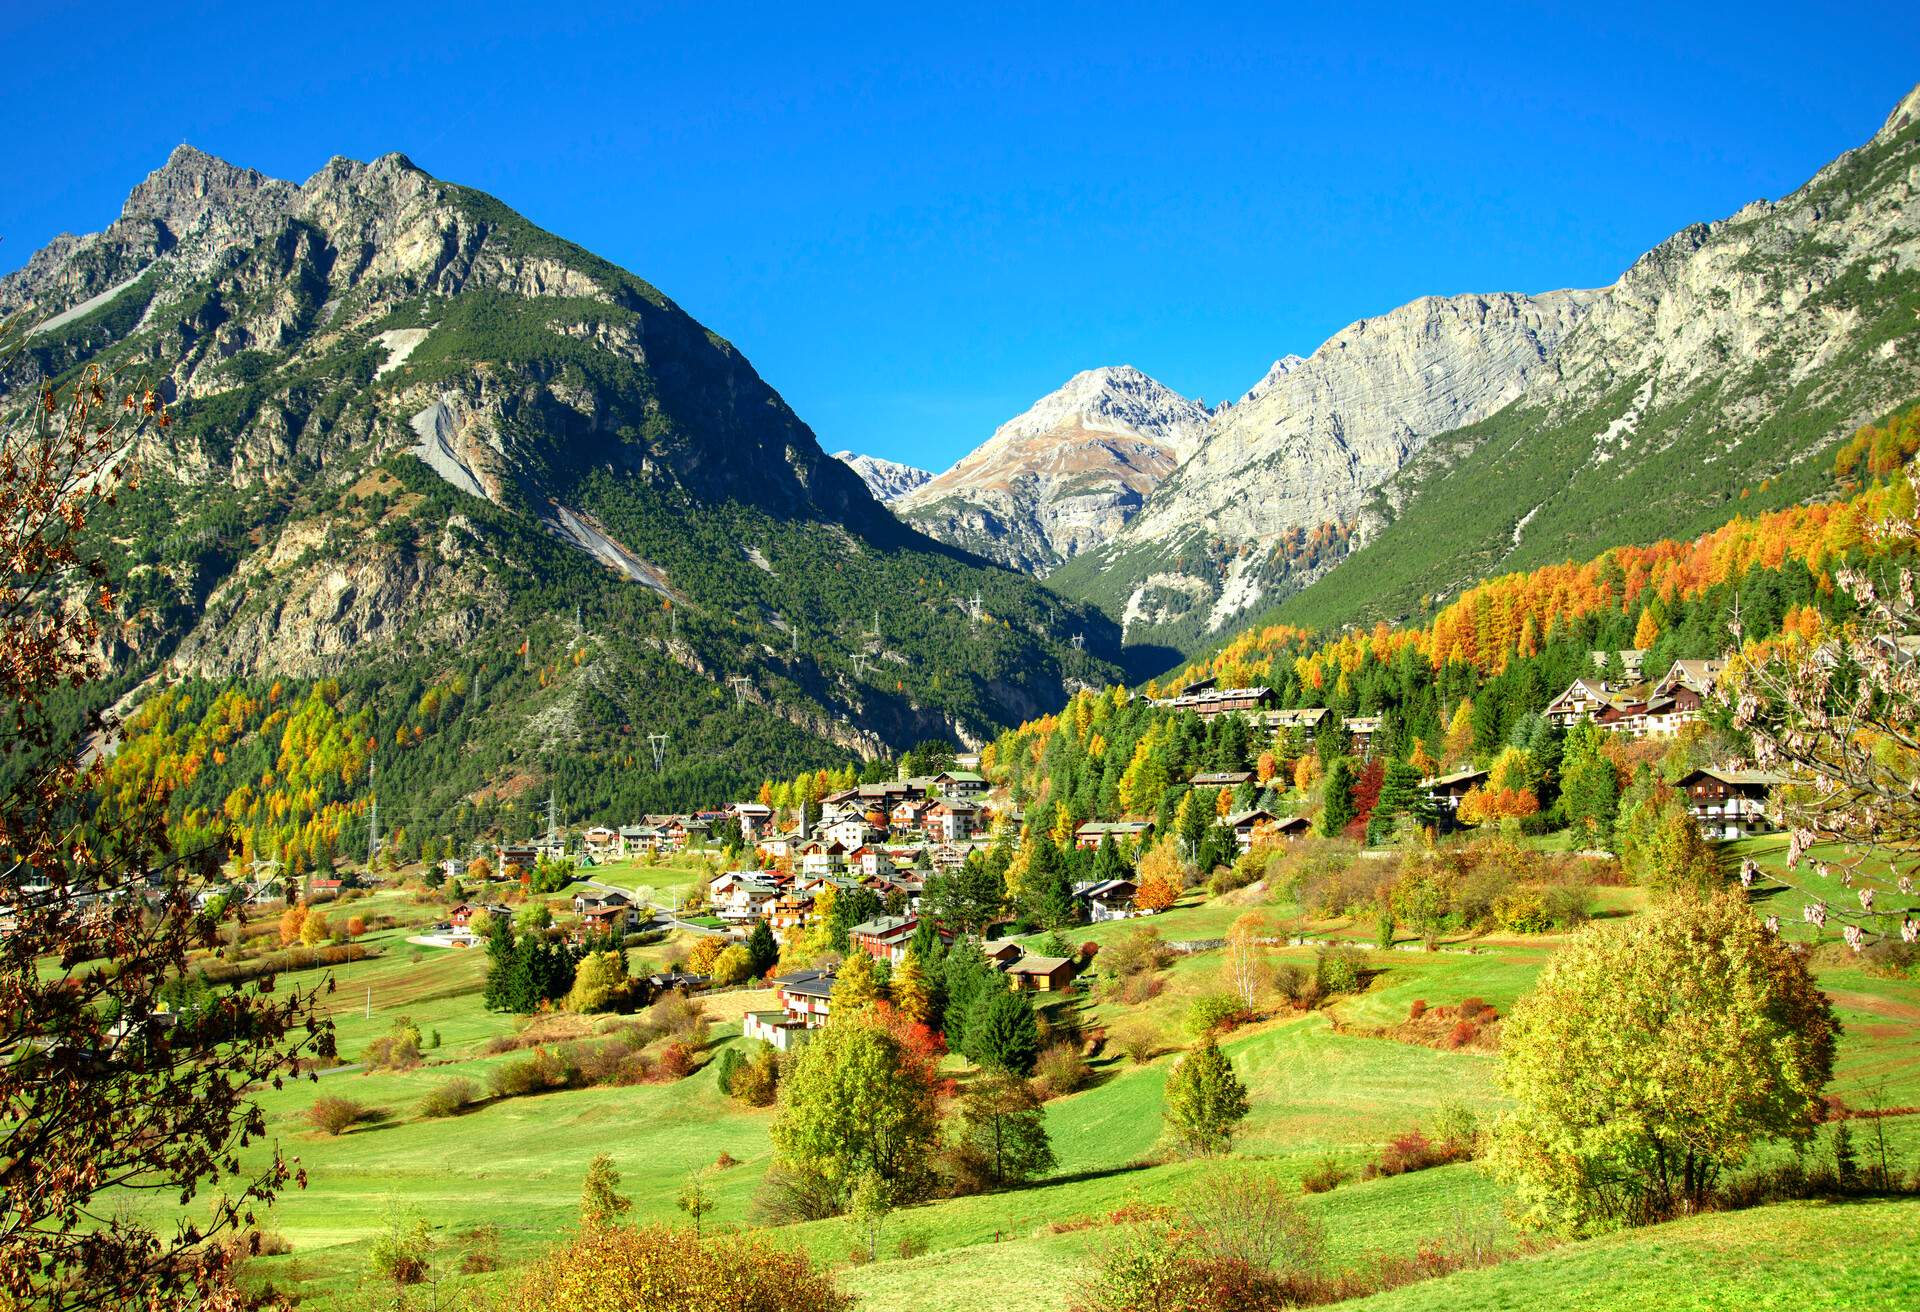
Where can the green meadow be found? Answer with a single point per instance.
(1326, 1087)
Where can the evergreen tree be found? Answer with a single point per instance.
(763, 952)
(1400, 795)
(1046, 890)
(1205, 1100)
(1002, 1031)
(1339, 811)
(969, 976)
(1589, 785)
(851, 906)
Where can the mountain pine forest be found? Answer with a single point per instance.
(497, 818)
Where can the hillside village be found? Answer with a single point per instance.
(869, 856)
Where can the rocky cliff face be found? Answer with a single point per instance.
(1065, 475)
(1710, 380)
(888, 480)
(1673, 388)
(409, 423)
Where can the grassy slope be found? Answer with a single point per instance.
(1793, 1256)
(1317, 1092)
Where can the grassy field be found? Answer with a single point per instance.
(675, 874)
(1323, 1087)
(1792, 1257)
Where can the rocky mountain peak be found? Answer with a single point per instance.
(889, 480)
(1066, 473)
(1115, 398)
(1904, 113)
(193, 188)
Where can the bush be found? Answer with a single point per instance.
(399, 1253)
(676, 1014)
(1569, 905)
(1228, 879)
(335, 1116)
(676, 1061)
(1523, 910)
(1214, 1013)
(756, 1078)
(1060, 1070)
(1301, 988)
(1339, 968)
(1413, 1151)
(1455, 1126)
(537, 1072)
(1138, 1039)
(482, 1249)
(1326, 1176)
(1141, 950)
(1238, 1244)
(1330, 879)
(789, 1195)
(449, 1098)
(1418, 1009)
(670, 1270)
(397, 1050)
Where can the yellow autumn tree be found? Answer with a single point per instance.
(1458, 746)
(1647, 631)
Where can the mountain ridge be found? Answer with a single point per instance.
(1750, 343)
(412, 426)
(1064, 474)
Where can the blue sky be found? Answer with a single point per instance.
(916, 224)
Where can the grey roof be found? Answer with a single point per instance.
(807, 983)
(1457, 777)
(1753, 778)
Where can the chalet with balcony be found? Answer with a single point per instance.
(1446, 790)
(803, 1009)
(1107, 899)
(1221, 779)
(1361, 730)
(1209, 701)
(1090, 835)
(961, 783)
(884, 938)
(1584, 699)
(1304, 721)
(754, 819)
(951, 820)
(1730, 803)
